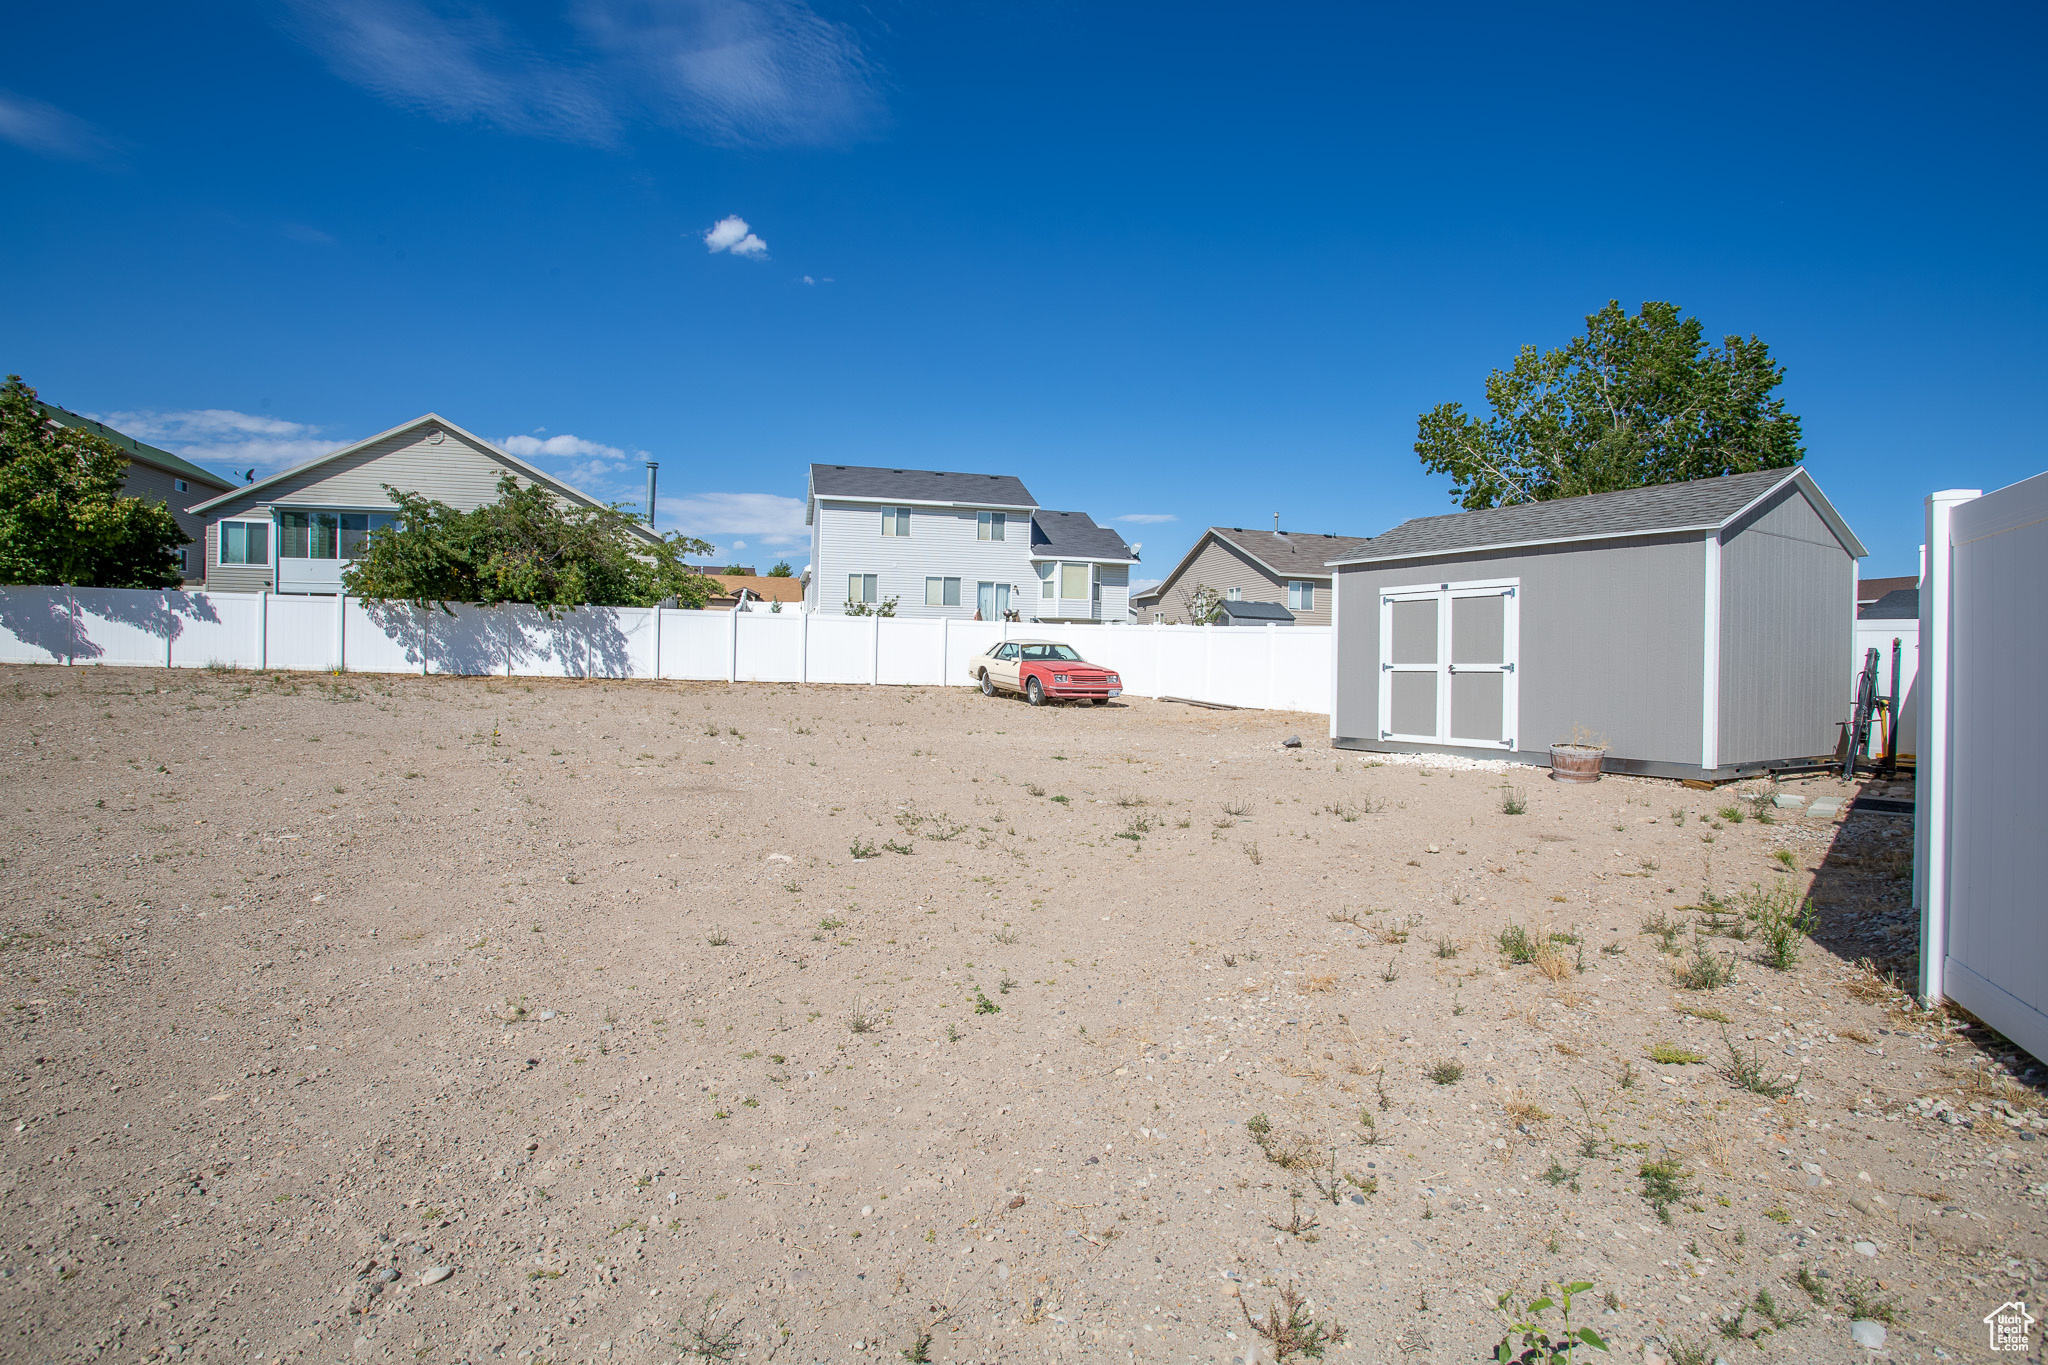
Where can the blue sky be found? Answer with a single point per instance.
(1179, 264)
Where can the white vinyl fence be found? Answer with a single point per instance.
(1279, 667)
(1879, 635)
(1980, 859)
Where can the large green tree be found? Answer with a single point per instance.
(528, 546)
(62, 516)
(1635, 401)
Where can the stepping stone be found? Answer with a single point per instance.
(1787, 801)
(1827, 808)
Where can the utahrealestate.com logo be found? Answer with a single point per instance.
(2008, 1324)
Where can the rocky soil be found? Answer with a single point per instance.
(463, 1019)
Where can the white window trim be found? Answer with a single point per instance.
(1511, 636)
(870, 600)
(220, 542)
(1301, 594)
(992, 526)
(942, 580)
(896, 523)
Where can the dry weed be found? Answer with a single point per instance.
(1323, 981)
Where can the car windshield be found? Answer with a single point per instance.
(1063, 654)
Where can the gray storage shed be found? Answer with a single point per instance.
(1701, 629)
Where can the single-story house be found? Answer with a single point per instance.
(961, 546)
(159, 476)
(297, 531)
(1869, 590)
(1699, 629)
(1287, 567)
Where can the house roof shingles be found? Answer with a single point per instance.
(919, 485)
(1900, 604)
(1694, 505)
(1074, 535)
(140, 450)
(1292, 552)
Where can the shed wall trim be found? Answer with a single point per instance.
(1710, 661)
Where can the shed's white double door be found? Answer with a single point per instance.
(1447, 663)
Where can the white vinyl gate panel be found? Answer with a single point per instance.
(1448, 659)
(1995, 962)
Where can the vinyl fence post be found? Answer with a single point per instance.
(1931, 788)
(657, 642)
(341, 632)
(803, 647)
(875, 656)
(945, 634)
(71, 613)
(263, 628)
(1209, 662)
(167, 629)
(732, 662)
(1272, 664)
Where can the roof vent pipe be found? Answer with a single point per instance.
(651, 467)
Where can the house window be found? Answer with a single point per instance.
(1301, 596)
(245, 542)
(942, 592)
(1158, 618)
(309, 535)
(356, 528)
(180, 485)
(989, 525)
(1233, 594)
(1047, 589)
(860, 587)
(1073, 581)
(895, 521)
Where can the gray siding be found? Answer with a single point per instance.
(454, 471)
(237, 577)
(1222, 566)
(155, 485)
(1611, 638)
(1787, 622)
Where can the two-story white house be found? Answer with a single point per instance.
(957, 545)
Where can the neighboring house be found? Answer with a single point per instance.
(943, 544)
(1287, 567)
(1869, 590)
(1702, 629)
(1900, 604)
(158, 476)
(731, 587)
(297, 531)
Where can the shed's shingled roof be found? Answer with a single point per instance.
(1254, 611)
(1293, 552)
(1074, 535)
(1695, 505)
(919, 485)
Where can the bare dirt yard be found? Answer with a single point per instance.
(446, 1020)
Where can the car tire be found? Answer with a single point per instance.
(988, 688)
(1034, 692)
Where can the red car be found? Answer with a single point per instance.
(1042, 670)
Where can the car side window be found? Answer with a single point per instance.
(1007, 652)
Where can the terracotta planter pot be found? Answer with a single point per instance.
(1575, 763)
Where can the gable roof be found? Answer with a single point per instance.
(1290, 553)
(871, 483)
(1711, 504)
(1074, 535)
(137, 450)
(539, 476)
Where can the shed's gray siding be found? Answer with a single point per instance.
(1611, 639)
(1787, 627)
(1222, 566)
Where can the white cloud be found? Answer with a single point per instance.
(528, 446)
(1141, 585)
(224, 438)
(769, 518)
(734, 71)
(1148, 518)
(49, 131)
(730, 233)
